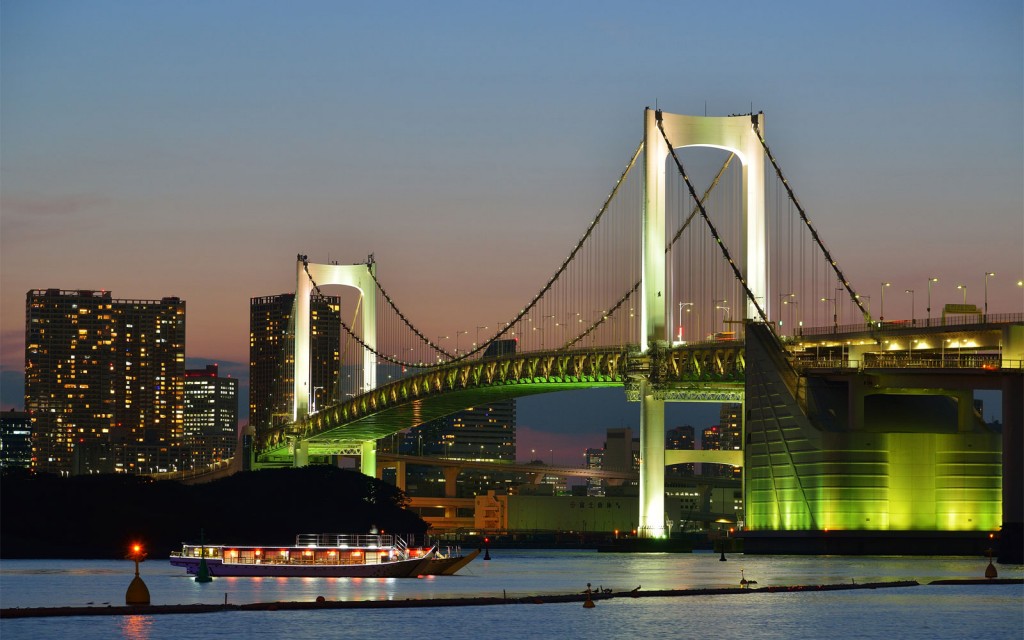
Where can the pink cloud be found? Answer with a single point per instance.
(49, 205)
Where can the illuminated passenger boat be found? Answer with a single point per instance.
(314, 555)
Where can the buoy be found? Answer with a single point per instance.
(588, 603)
(743, 580)
(138, 592)
(990, 570)
(723, 558)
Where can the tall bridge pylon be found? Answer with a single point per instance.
(357, 276)
(732, 133)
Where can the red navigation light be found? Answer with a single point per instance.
(487, 540)
(136, 548)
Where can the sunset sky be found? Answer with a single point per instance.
(192, 149)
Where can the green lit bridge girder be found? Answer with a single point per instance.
(694, 373)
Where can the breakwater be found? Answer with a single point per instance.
(325, 604)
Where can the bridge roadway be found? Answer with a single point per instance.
(708, 372)
(695, 372)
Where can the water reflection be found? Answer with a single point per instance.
(136, 627)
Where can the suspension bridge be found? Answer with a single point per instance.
(724, 294)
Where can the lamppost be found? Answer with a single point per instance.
(987, 274)
(687, 305)
(835, 316)
(725, 316)
(457, 334)
(795, 316)
(930, 281)
(438, 343)
(782, 301)
(964, 287)
(720, 304)
(881, 308)
(911, 292)
(477, 343)
(312, 400)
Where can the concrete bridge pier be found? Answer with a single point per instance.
(301, 455)
(1011, 538)
(368, 459)
(652, 464)
(451, 475)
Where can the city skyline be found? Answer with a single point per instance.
(191, 151)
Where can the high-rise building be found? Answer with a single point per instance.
(15, 440)
(272, 357)
(728, 434)
(103, 381)
(679, 438)
(594, 460)
(621, 450)
(211, 417)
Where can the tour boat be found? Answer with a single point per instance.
(326, 555)
(446, 564)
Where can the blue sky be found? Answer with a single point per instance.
(193, 148)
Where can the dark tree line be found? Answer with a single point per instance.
(47, 516)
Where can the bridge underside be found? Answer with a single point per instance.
(348, 439)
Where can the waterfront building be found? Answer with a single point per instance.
(103, 381)
(272, 357)
(15, 440)
(210, 417)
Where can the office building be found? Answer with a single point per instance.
(15, 440)
(210, 417)
(272, 357)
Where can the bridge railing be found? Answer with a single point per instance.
(988, 362)
(916, 323)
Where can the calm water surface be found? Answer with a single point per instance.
(917, 612)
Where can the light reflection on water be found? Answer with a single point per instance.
(916, 612)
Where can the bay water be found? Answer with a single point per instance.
(927, 611)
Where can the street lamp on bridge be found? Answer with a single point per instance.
(457, 334)
(477, 343)
(782, 301)
(911, 292)
(835, 315)
(987, 274)
(795, 316)
(687, 305)
(930, 281)
(964, 287)
(881, 306)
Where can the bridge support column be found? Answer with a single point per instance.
(451, 474)
(368, 459)
(1011, 538)
(652, 465)
(400, 475)
(301, 457)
